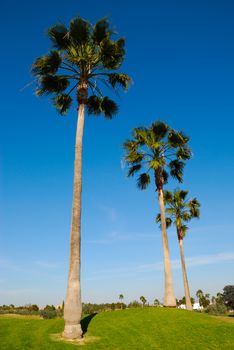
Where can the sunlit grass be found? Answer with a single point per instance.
(149, 328)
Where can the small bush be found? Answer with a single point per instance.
(48, 314)
(216, 309)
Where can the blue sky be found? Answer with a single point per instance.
(180, 55)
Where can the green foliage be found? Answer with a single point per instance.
(52, 84)
(101, 31)
(159, 150)
(143, 300)
(157, 302)
(228, 296)
(102, 105)
(62, 103)
(143, 181)
(20, 310)
(216, 309)
(134, 304)
(48, 64)
(179, 210)
(89, 308)
(204, 299)
(58, 36)
(86, 56)
(48, 314)
(119, 79)
(183, 301)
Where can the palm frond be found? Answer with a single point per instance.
(184, 229)
(141, 135)
(134, 157)
(133, 169)
(184, 153)
(177, 139)
(176, 169)
(168, 197)
(160, 130)
(94, 105)
(167, 219)
(168, 222)
(157, 163)
(62, 103)
(171, 211)
(102, 105)
(52, 84)
(143, 181)
(165, 176)
(109, 107)
(130, 146)
(47, 64)
(101, 31)
(185, 216)
(180, 195)
(158, 218)
(79, 31)
(112, 53)
(119, 79)
(58, 35)
(194, 207)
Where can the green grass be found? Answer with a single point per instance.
(136, 329)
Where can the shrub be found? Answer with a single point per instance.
(216, 309)
(134, 304)
(48, 314)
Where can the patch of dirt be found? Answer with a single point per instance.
(79, 342)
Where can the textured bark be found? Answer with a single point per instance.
(185, 279)
(73, 305)
(169, 297)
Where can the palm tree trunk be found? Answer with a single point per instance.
(185, 279)
(169, 297)
(73, 305)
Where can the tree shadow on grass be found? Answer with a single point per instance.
(85, 322)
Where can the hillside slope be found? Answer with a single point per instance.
(149, 328)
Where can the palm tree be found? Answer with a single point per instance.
(160, 151)
(83, 57)
(143, 300)
(179, 211)
(121, 297)
(156, 302)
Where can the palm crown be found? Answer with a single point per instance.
(83, 56)
(160, 149)
(180, 210)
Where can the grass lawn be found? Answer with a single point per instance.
(149, 328)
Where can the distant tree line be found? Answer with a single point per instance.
(215, 305)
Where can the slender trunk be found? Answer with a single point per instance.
(169, 297)
(73, 305)
(185, 279)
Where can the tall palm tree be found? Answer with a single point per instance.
(84, 56)
(121, 297)
(159, 151)
(180, 210)
(143, 300)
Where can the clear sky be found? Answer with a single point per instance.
(180, 55)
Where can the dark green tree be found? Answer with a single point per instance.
(121, 297)
(158, 152)
(143, 300)
(179, 211)
(228, 296)
(204, 299)
(84, 59)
